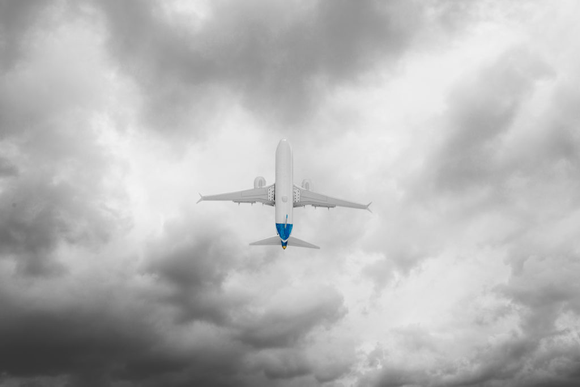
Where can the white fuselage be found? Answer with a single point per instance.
(284, 191)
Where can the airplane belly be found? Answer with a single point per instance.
(284, 190)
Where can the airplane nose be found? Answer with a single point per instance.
(284, 247)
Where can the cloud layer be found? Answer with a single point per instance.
(459, 121)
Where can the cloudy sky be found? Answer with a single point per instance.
(458, 120)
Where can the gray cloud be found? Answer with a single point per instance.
(7, 169)
(99, 340)
(37, 216)
(88, 338)
(489, 157)
(280, 58)
(194, 267)
(98, 290)
(54, 176)
(293, 315)
(283, 364)
(516, 361)
(482, 112)
(472, 161)
(132, 335)
(17, 19)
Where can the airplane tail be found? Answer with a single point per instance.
(272, 241)
(300, 243)
(275, 241)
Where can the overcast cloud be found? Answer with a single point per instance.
(458, 120)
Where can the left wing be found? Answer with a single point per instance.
(263, 195)
(304, 197)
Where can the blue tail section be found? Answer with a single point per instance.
(284, 230)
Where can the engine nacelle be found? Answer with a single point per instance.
(307, 184)
(259, 182)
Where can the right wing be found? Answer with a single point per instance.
(263, 195)
(304, 197)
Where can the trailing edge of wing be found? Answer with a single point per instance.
(263, 195)
(306, 198)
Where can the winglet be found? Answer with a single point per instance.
(200, 198)
(368, 209)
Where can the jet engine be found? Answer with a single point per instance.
(307, 184)
(259, 182)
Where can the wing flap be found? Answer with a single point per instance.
(308, 198)
(255, 195)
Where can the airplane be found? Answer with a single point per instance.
(283, 195)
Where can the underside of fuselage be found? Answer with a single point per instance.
(284, 192)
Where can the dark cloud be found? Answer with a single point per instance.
(51, 342)
(128, 334)
(98, 340)
(17, 22)
(278, 57)
(55, 184)
(180, 326)
(482, 111)
(7, 169)
(38, 215)
(90, 296)
(292, 315)
(194, 265)
(283, 363)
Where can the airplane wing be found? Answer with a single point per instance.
(304, 197)
(263, 195)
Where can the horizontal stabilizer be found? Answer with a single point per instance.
(300, 243)
(275, 241)
(272, 241)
